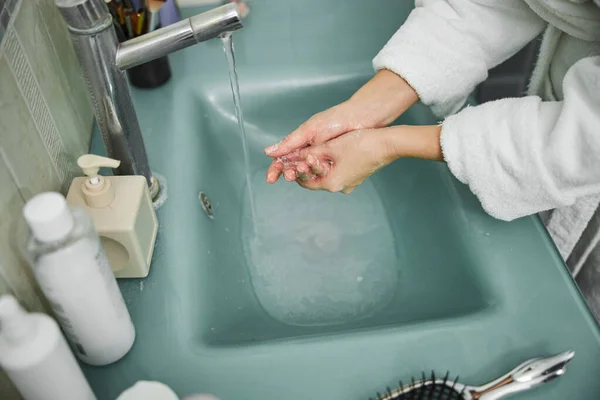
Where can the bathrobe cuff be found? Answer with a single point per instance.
(521, 156)
(445, 47)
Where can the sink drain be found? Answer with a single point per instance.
(206, 204)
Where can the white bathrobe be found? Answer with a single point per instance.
(519, 156)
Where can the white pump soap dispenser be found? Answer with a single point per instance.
(123, 215)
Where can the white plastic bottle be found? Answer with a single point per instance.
(73, 272)
(153, 390)
(36, 357)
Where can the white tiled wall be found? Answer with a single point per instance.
(45, 124)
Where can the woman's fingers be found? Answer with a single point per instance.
(303, 171)
(283, 165)
(305, 164)
(316, 160)
(295, 140)
(274, 171)
(318, 129)
(316, 167)
(289, 174)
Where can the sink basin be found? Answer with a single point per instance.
(319, 295)
(318, 263)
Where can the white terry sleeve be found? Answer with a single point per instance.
(445, 47)
(521, 156)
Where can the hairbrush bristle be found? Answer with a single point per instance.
(455, 382)
(426, 389)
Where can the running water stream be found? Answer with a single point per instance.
(229, 50)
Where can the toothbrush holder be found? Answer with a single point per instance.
(150, 75)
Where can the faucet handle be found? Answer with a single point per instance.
(90, 164)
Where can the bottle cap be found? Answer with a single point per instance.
(148, 390)
(48, 217)
(14, 327)
(9, 307)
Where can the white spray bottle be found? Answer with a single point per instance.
(36, 356)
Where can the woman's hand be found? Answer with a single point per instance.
(378, 103)
(342, 164)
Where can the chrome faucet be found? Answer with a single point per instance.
(103, 62)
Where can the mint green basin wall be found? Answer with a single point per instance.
(459, 291)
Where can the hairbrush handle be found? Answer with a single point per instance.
(526, 376)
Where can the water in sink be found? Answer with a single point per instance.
(319, 258)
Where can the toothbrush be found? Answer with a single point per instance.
(153, 7)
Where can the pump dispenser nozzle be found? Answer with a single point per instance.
(90, 164)
(98, 191)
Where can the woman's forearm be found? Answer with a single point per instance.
(383, 99)
(404, 141)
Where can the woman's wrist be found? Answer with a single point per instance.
(404, 141)
(381, 100)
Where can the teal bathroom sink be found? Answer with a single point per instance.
(318, 263)
(319, 295)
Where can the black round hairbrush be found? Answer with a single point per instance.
(526, 376)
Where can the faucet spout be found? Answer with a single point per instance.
(180, 35)
(103, 62)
